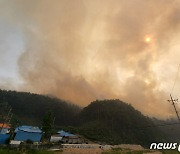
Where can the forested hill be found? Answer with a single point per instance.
(105, 121)
(115, 122)
(29, 108)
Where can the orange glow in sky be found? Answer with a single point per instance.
(148, 39)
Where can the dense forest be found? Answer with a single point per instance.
(116, 122)
(104, 121)
(29, 109)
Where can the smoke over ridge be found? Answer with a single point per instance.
(86, 49)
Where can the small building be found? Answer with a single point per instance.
(71, 138)
(4, 128)
(55, 138)
(59, 136)
(24, 133)
(4, 132)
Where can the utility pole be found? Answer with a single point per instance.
(173, 103)
(9, 120)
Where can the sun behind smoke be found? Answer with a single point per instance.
(148, 39)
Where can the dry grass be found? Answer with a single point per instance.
(82, 151)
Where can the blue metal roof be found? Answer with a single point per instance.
(24, 133)
(24, 136)
(30, 129)
(63, 133)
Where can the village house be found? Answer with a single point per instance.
(56, 138)
(24, 133)
(76, 139)
(4, 132)
(71, 138)
(4, 128)
(64, 137)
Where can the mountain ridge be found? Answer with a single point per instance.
(106, 121)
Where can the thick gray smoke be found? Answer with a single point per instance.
(82, 50)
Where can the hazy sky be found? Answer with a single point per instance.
(83, 50)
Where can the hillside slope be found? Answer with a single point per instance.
(114, 122)
(106, 121)
(30, 108)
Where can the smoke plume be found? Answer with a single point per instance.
(85, 50)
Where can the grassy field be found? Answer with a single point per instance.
(126, 151)
(113, 151)
(170, 152)
(24, 151)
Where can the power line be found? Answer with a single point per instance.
(173, 103)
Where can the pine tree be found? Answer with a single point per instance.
(47, 124)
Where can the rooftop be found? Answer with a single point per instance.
(30, 129)
(5, 125)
